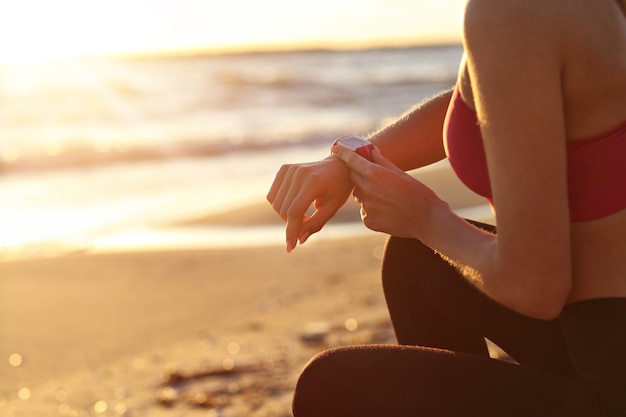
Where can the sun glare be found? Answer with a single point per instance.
(38, 31)
(41, 30)
(44, 30)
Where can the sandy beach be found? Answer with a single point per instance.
(99, 334)
(181, 332)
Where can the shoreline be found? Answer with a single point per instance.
(257, 225)
(246, 224)
(184, 326)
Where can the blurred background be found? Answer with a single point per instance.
(133, 132)
(121, 119)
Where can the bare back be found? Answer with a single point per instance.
(594, 89)
(595, 103)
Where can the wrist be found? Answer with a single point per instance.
(339, 168)
(435, 212)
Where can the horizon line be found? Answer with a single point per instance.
(258, 48)
(286, 47)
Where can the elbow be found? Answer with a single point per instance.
(546, 311)
(543, 302)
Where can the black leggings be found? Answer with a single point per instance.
(442, 366)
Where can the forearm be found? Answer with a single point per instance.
(415, 139)
(510, 277)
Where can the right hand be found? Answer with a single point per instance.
(325, 183)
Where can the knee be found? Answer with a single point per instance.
(400, 251)
(314, 391)
(406, 257)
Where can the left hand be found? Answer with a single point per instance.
(391, 200)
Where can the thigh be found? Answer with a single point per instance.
(436, 301)
(595, 331)
(400, 381)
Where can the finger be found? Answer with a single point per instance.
(278, 181)
(363, 205)
(280, 189)
(356, 193)
(377, 157)
(292, 232)
(354, 161)
(296, 215)
(289, 196)
(289, 189)
(315, 222)
(299, 195)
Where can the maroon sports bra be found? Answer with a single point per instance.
(596, 167)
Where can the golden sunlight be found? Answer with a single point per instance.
(42, 31)
(36, 30)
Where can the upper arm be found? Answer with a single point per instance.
(415, 139)
(515, 67)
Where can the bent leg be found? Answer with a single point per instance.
(407, 381)
(432, 305)
(424, 294)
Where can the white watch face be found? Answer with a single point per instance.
(353, 142)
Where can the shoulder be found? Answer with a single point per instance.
(519, 10)
(516, 33)
(523, 21)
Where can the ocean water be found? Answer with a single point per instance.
(94, 150)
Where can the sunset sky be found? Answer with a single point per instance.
(52, 29)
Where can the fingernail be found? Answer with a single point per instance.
(303, 237)
(290, 247)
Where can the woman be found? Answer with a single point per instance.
(537, 124)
